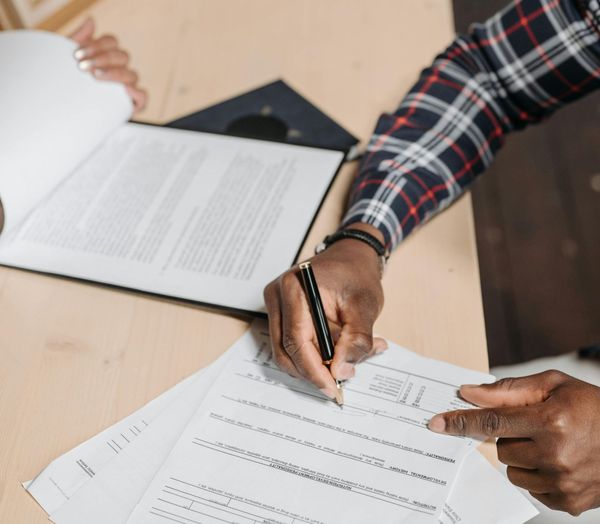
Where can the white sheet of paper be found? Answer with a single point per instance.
(118, 487)
(197, 216)
(46, 132)
(68, 473)
(481, 494)
(266, 446)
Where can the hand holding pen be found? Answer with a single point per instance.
(348, 276)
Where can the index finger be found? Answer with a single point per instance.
(91, 49)
(511, 422)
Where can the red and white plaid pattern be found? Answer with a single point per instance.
(515, 69)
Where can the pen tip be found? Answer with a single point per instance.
(339, 398)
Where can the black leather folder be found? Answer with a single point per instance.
(275, 112)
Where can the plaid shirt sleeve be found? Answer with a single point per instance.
(515, 69)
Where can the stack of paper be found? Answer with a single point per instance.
(242, 442)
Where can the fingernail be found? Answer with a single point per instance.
(345, 371)
(437, 424)
(380, 344)
(80, 53)
(99, 73)
(465, 389)
(329, 393)
(86, 65)
(339, 397)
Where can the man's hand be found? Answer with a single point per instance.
(348, 276)
(103, 58)
(549, 435)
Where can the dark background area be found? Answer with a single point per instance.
(537, 214)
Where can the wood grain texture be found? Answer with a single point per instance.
(537, 215)
(62, 16)
(9, 18)
(78, 357)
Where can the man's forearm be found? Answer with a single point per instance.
(515, 69)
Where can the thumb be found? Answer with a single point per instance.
(84, 32)
(522, 391)
(352, 347)
(354, 344)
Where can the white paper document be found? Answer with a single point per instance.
(190, 215)
(482, 495)
(121, 483)
(269, 437)
(62, 478)
(53, 115)
(253, 471)
(195, 216)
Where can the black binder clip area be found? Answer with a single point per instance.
(272, 112)
(262, 126)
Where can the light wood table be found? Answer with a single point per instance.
(76, 357)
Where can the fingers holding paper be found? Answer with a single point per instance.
(103, 58)
(348, 277)
(548, 427)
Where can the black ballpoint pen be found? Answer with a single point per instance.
(320, 321)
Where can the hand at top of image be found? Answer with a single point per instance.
(104, 59)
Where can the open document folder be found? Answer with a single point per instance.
(195, 216)
(242, 442)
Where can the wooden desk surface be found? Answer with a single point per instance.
(75, 357)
